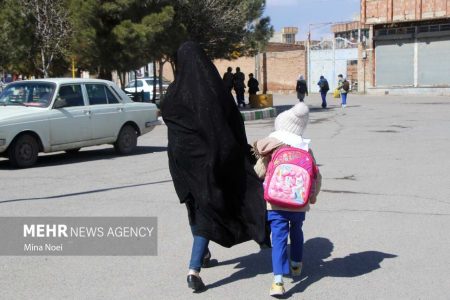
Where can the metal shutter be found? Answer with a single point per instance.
(395, 63)
(434, 61)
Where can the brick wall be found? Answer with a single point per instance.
(283, 69)
(385, 11)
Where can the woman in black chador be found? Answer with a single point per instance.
(209, 160)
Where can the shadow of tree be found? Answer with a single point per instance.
(316, 250)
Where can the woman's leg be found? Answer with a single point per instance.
(199, 251)
(302, 96)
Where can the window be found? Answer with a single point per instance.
(38, 94)
(117, 92)
(71, 94)
(100, 94)
(132, 84)
(111, 98)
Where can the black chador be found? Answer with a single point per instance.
(209, 157)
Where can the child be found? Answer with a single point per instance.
(289, 128)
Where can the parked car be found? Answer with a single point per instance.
(146, 85)
(65, 114)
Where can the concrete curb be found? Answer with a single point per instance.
(249, 115)
(259, 114)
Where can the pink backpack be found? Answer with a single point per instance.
(290, 177)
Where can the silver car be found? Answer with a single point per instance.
(65, 114)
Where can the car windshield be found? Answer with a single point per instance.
(37, 94)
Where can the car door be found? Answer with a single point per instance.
(106, 111)
(72, 123)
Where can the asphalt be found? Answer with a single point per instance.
(378, 231)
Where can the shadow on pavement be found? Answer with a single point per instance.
(73, 194)
(250, 266)
(316, 250)
(62, 158)
(352, 265)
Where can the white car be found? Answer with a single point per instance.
(146, 85)
(65, 114)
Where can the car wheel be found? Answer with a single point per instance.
(23, 153)
(73, 151)
(126, 141)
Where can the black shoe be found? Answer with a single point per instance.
(206, 260)
(195, 283)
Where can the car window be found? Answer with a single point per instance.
(122, 95)
(100, 94)
(71, 93)
(96, 94)
(38, 94)
(111, 97)
(150, 81)
(132, 84)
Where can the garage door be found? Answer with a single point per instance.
(434, 61)
(394, 63)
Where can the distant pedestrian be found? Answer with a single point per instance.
(343, 87)
(228, 79)
(253, 84)
(324, 88)
(301, 88)
(209, 160)
(292, 182)
(239, 86)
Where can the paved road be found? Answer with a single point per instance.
(378, 231)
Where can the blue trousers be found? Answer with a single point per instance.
(324, 99)
(199, 250)
(284, 223)
(344, 98)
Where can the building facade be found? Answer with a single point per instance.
(278, 68)
(409, 46)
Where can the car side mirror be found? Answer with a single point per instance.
(60, 103)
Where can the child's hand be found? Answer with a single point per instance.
(312, 199)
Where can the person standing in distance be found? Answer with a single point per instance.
(253, 85)
(239, 86)
(301, 88)
(228, 79)
(324, 88)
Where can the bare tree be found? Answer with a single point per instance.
(52, 29)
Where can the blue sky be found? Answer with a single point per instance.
(301, 13)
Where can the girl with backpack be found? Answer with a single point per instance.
(343, 87)
(291, 183)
